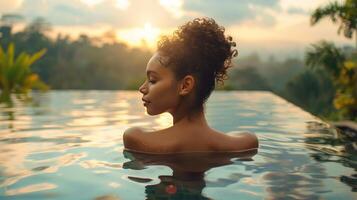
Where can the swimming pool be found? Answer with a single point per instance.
(68, 145)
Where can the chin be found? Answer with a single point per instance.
(152, 112)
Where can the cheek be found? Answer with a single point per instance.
(162, 90)
(163, 97)
(166, 97)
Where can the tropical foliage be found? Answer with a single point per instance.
(345, 14)
(346, 96)
(342, 71)
(341, 67)
(15, 72)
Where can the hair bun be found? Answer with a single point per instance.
(204, 38)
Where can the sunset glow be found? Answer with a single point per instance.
(173, 6)
(122, 4)
(146, 35)
(279, 27)
(91, 3)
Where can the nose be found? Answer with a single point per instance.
(143, 88)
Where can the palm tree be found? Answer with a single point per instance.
(345, 14)
(327, 55)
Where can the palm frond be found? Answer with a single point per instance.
(345, 14)
(15, 73)
(332, 10)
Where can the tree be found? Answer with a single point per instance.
(346, 95)
(247, 78)
(38, 25)
(345, 14)
(313, 91)
(11, 19)
(343, 72)
(7, 21)
(341, 68)
(327, 55)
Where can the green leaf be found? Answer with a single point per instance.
(15, 73)
(36, 56)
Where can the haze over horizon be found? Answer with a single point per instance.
(268, 27)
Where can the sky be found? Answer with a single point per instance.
(268, 27)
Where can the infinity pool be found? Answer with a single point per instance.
(68, 145)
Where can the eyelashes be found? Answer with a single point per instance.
(152, 81)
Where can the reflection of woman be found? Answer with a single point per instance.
(172, 188)
(187, 180)
(180, 77)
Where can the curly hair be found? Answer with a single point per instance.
(201, 49)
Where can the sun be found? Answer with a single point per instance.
(147, 36)
(149, 33)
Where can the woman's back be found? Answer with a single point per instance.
(189, 139)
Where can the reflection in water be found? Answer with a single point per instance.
(6, 115)
(290, 175)
(331, 145)
(282, 185)
(188, 171)
(68, 138)
(31, 188)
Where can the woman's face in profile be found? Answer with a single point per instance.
(160, 90)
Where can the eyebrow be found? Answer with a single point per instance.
(150, 72)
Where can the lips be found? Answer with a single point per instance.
(146, 102)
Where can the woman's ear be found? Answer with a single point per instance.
(186, 85)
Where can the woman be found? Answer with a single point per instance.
(180, 77)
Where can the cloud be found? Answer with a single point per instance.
(76, 12)
(138, 12)
(230, 12)
(6, 6)
(270, 22)
(296, 10)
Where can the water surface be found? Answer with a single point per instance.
(68, 145)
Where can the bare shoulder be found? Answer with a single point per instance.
(252, 136)
(132, 136)
(241, 141)
(249, 138)
(132, 132)
(139, 140)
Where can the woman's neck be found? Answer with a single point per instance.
(197, 118)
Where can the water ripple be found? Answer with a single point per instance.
(71, 138)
